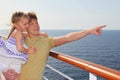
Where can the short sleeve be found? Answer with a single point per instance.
(51, 42)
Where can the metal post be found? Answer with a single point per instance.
(92, 76)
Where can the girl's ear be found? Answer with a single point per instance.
(16, 25)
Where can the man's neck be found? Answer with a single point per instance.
(33, 35)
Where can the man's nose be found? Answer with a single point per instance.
(27, 26)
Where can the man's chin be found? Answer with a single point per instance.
(36, 33)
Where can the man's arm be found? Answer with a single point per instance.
(77, 35)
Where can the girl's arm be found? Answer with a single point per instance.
(18, 36)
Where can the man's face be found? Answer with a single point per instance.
(33, 27)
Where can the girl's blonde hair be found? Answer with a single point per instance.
(14, 19)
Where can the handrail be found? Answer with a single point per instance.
(105, 72)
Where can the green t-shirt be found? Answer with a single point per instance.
(34, 68)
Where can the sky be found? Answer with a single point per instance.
(65, 14)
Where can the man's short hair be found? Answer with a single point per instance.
(32, 15)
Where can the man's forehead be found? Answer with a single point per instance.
(33, 20)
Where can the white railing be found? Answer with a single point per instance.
(60, 73)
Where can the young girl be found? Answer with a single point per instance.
(13, 51)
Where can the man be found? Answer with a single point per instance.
(34, 68)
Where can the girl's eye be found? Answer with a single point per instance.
(26, 24)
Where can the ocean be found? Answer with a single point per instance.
(103, 50)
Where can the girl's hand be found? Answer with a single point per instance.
(31, 50)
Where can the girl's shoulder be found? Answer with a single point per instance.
(13, 34)
(16, 34)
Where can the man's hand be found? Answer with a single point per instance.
(11, 74)
(97, 30)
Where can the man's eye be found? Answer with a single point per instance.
(25, 24)
(31, 23)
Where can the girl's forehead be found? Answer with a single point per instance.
(23, 19)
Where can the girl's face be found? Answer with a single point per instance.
(22, 24)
